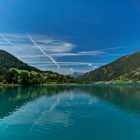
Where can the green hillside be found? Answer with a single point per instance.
(14, 71)
(124, 68)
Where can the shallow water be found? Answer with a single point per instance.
(70, 112)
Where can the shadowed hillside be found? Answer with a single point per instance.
(115, 70)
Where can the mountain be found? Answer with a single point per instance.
(8, 61)
(76, 75)
(124, 68)
(14, 71)
(133, 76)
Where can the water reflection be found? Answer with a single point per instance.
(36, 111)
(34, 107)
(11, 99)
(126, 98)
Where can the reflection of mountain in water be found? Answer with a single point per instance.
(13, 98)
(126, 98)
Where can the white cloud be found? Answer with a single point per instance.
(55, 46)
(67, 63)
(36, 45)
(92, 52)
(72, 70)
(90, 64)
(7, 40)
(23, 48)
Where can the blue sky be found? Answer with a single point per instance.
(69, 35)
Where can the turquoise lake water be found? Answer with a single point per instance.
(70, 113)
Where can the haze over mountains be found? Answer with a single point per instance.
(76, 74)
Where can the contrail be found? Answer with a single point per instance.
(55, 104)
(5, 39)
(115, 48)
(101, 50)
(7, 11)
(51, 58)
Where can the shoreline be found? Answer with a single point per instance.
(10, 85)
(75, 84)
(96, 85)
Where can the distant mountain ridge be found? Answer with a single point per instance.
(76, 75)
(124, 68)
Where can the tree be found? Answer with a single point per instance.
(12, 77)
(24, 78)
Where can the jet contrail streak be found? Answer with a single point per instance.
(32, 40)
(7, 11)
(5, 39)
(115, 48)
(55, 104)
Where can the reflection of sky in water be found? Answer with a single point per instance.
(84, 112)
(47, 113)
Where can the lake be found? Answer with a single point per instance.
(70, 113)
